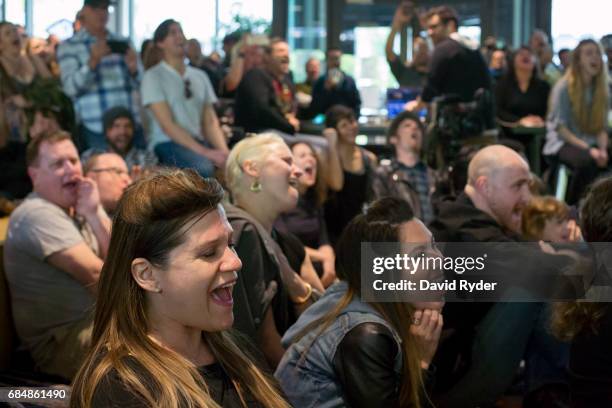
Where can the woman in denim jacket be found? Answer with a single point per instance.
(343, 351)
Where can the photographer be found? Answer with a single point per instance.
(457, 66)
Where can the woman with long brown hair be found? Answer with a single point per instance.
(165, 304)
(588, 325)
(344, 351)
(578, 118)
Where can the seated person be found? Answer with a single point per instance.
(313, 70)
(306, 220)
(489, 210)
(119, 134)
(406, 175)
(165, 306)
(263, 180)
(358, 167)
(265, 98)
(587, 326)
(547, 219)
(57, 241)
(185, 130)
(521, 96)
(335, 87)
(344, 351)
(578, 119)
(110, 173)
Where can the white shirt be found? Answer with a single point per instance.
(162, 83)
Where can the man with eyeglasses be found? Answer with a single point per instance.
(110, 173)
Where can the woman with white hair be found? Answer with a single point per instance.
(277, 279)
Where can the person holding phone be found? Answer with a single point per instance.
(99, 70)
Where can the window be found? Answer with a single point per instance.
(197, 18)
(54, 17)
(570, 24)
(15, 11)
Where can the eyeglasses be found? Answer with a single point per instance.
(115, 170)
(188, 93)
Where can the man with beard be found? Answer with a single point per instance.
(486, 341)
(119, 133)
(57, 241)
(265, 98)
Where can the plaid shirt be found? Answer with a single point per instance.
(94, 91)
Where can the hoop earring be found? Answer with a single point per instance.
(256, 186)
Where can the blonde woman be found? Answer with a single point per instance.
(278, 279)
(578, 116)
(165, 304)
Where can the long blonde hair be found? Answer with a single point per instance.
(149, 223)
(589, 118)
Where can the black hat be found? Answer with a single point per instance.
(112, 114)
(98, 3)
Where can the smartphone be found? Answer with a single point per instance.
(118, 46)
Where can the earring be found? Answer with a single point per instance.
(158, 290)
(256, 186)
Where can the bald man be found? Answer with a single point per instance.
(488, 340)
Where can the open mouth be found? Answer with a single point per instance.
(222, 295)
(309, 170)
(71, 185)
(293, 182)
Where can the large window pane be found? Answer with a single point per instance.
(197, 17)
(54, 17)
(15, 11)
(570, 23)
(307, 35)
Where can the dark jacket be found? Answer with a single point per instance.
(257, 107)
(345, 93)
(390, 180)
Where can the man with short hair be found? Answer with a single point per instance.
(111, 175)
(95, 76)
(57, 240)
(335, 87)
(265, 98)
(119, 133)
(405, 175)
(457, 66)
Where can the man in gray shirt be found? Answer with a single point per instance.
(57, 240)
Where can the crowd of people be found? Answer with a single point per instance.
(176, 238)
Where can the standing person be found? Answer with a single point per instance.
(578, 117)
(344, 351)
(95, 76)
(160, 328)
(335, 87)
(411, 74)
(457, 67)
(185, 130)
